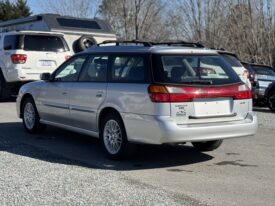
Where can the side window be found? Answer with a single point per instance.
(128, 69)
(95, 70)
(69, 72)
(12, 42)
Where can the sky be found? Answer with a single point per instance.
(35, 8)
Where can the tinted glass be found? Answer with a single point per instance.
(128, 69)
(95, 70)
(69, 71)
(12, 42)
(44, 43)
(233, 61)
(75, 23)
(183, 69)
(263, 70)
(248, 67)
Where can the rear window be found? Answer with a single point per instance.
(233, 61)
(183, 69)
(44, 43)
(12, 42)
(263, 70)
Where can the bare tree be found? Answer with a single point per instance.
(77, 8)
(246, 27)
(136, 19)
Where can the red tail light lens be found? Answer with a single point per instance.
(169, 93)
(158, 93)
(18, 58)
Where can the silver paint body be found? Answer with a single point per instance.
(77, 106)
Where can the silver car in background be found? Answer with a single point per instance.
(125, 94)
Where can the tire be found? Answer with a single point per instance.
(30, 116)
(113, 138)
(271, 101)
(5, 91)
(207, 146)
(84, 43)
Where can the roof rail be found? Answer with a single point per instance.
(118, 43)
(221, 49)
(180, 43)
(150, 44)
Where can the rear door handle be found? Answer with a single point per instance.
(64, 93)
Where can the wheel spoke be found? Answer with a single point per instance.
(29, 115)
(112, 136)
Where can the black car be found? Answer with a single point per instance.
(260, 76)
(270, 96)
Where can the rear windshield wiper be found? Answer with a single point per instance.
(196, 81)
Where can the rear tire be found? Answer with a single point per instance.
(113, 138)
(271, 101)
(5, 90)
(207, 146)
(31, 119)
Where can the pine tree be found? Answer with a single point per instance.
(9, 10)
(6, 10)
(22, 9)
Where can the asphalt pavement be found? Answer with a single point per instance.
(59, 167)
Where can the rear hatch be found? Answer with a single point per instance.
(199, 88)
(43, 53)
(237, 66)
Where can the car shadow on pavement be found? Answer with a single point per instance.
(65, 147)
(11, 99)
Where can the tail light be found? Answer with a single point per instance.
(169, 93)
(67, 57)
(18, 58)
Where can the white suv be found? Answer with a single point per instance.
(25, 55)
(142, 94)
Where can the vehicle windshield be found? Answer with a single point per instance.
(233, 61)
(196, 69)
(44, 43)
(261, 70)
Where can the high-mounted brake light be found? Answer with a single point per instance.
(170, 93)
(18, 58)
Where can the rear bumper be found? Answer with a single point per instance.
(19, 74)
(160, 130)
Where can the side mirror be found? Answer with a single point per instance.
(45, 76)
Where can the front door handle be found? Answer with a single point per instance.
(64, 93)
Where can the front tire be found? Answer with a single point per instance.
(113, 138)
(271, 101)
(31, 119)
(207, 146)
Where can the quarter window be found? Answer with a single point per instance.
(69, 72)
(128, 69)
(12, 42)
(95, 69)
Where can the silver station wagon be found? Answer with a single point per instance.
(125, 93)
